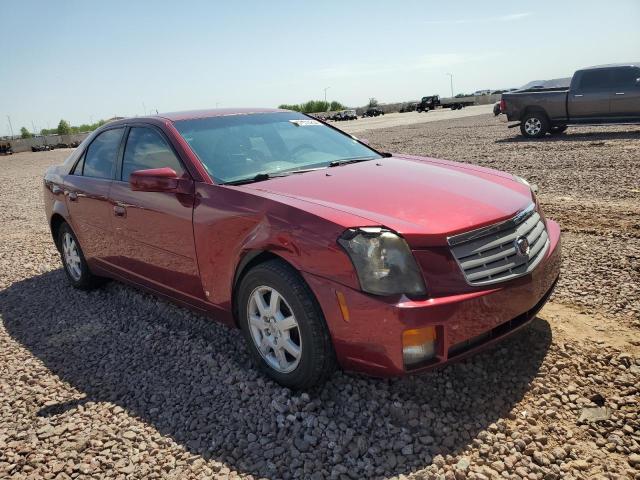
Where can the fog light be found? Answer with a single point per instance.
(418, 345)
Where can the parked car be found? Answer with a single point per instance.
(345, 115)
(6, 148)
(322, 250)
(41, 148)
(373, 112)
(597, 95)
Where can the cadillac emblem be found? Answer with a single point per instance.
(521, 245)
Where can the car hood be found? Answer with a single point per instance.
(424, 199)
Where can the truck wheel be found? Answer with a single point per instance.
(534, 125)
(557, 129)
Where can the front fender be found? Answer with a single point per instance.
(231, 226)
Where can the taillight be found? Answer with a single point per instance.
(503, 105)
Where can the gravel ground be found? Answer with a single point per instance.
(119, 384)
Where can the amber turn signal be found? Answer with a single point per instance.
(342, 303)
(418, 345)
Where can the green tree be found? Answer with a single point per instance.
(24, 133)
(64, 128)
(373, 102)
(313, 106)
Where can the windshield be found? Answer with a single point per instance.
(237, 147)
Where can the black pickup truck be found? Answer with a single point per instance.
(597, 95)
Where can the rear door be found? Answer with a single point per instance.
(154, 230)
(625, 97)
(87, 194)
(590, 95)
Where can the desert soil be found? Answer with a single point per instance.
(117, 383)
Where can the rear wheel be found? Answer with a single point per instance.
(283, 325)
(557, 129)
(534, 125)
(75, 265)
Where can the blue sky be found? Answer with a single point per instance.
(84, 61)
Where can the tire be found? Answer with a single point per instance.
(305, 331)
(75, 265)
(557, 129)
(534, 125)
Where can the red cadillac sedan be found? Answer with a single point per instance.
(322, 250)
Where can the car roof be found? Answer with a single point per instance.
(216, 112)
(194, 114)
(612, 65)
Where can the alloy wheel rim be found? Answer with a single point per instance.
(71, 256)
(533, 126)
(274, 329)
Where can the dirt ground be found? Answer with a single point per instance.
(117, 383)
(410, 118)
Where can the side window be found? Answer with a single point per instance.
(80, 165)
(147, 149)
(626, 76)
(101, 154)
(599, 79)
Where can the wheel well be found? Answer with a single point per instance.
(249, 261)
(534, 109)
(56, 221)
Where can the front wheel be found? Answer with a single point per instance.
(283, 326)
(534, 125)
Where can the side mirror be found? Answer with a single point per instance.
(154, 180)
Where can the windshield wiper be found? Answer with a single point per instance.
(257, 178)
(337, 163)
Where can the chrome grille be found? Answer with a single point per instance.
(491, 254)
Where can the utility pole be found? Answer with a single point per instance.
(34, 128)
(451, 80)
(325, 93)
(10, 126)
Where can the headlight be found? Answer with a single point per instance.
(532, 186)
(383, 262)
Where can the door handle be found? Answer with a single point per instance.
(579, 95)
(119, 211)
(619, 93)
(73, 196)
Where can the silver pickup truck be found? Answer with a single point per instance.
(597, 95)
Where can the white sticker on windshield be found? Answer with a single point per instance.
(305, 123)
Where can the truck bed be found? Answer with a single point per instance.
(553, 101)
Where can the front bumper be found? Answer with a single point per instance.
(371, 341)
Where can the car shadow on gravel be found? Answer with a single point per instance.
(570, 136)
(190, 379)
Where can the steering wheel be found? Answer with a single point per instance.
(300, 148)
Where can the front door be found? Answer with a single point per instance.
(87, 195)
(625, 97)
(590, 98)
(154, 230)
